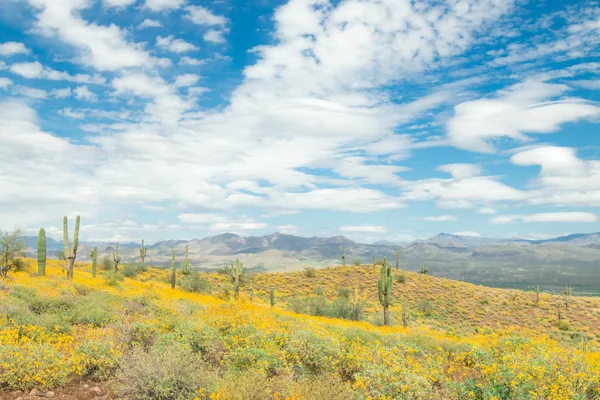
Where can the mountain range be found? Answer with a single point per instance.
(503, 262)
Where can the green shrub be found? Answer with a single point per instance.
(193, 282)
(356, 262)
(112, 277)
(170, 372)
(401, 278)
(106, 264)
(25, 361)
(130, 270)
(97, 360)
(564, 326)
(343, 293)
(319, 291)
(310, 272)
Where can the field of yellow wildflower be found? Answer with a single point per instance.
(145, 340)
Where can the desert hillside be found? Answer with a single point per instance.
(138, 338)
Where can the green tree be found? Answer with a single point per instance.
(11, 249)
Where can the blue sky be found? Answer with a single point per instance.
(378, 120)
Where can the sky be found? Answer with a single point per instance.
(373, 119)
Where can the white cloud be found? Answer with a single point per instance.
(185, 60)
(364, 228)
(221, 223)
(186, 80)
(118, 3)
(564, 179)
(62, 93)
(5, 83)
(175, 45)
(12, 48)
(102, 47)
(441, 218)
(591, 84)
(214, 36)
(68, 112)
(546, 217)
(528, 107)
(150, 23)
(35, 70)
(341, 199)
(203, 16)
(83, 93)
(164, 5)
(486, 210)
(34, 93)
(467, 233)
(460, 171)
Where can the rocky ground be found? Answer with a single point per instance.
(72, 391)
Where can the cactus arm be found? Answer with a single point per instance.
(42, 252)
(76, 236)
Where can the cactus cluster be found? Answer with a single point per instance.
(142, 252)
(343, 256)
(70, 252)
(94, 256)
(185, 263)
(116, 258)
(384, 290)
(173, 270)
(236, 271)
(41, 244)
(424, 268)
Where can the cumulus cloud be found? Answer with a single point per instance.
(441, 218)
(164, 5)
(528, 107)
(174, 45)
(35, 70)
(5, 83)
(364, 228)
(12, 48)
(150, 23)
(547, 217)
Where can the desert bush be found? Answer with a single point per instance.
(130, 270)
(112, 277)
(319, 291)
(106, 264)
(193, 282)
(309, 353)
(343, 293)
(32, 365)
(310, 272)
(356, 262)
(171, 372)
(564, 326)
(401, 278)
(97, 360)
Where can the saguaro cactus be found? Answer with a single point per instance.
(356, 305)
(384, 290)
(424, 268)
(272, 297)
(41, 247)
(250, 290)
(397, 259)
(185, 263)
(236, 271)
(537, 295)
(405, 314)
(173, 269)
(70, 253)
(142, 252)
(343, 256)
(116, 258)
(567, 294)
(94, 255)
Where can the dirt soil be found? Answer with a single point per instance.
(71, 391)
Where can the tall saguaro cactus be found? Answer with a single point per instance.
(236, 271)
(116, 258)
(272, 297)
(70, 253)
(250, 290)
(384, 290)
(94, 255)
(142, 252)
(41, 247)
(397, 259)
(343, 256)
(185, 263)
(173, 269)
